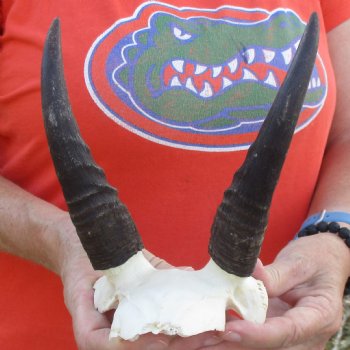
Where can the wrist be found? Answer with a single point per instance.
(338, 250)
(71, 261)
(334, 226)
(334, 222)
(332, 254)
(63, 240)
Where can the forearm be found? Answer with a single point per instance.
(32, 228)
(333, 191)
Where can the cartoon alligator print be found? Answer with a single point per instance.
(204, 78)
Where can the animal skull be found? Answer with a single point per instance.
(174, 301)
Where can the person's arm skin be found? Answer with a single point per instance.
(26, 224)
(38, 231)
(306, 281)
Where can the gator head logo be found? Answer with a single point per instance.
(197, 79)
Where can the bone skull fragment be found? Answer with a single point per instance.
(173, 301)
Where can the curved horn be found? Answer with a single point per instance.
(241, 219)
(104, 225)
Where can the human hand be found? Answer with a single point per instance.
(91, 328)
(305, 284)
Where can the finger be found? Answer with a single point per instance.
(161, 341)
(92, 332)
(259, 270)
(145, 342)
(229, 346)
(195, 342)
(289, 330)
(284, 274)
(223, 346)
(277, 307)
(91, 328)
(186, 268)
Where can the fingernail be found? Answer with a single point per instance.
(232, 336)
(158, 345)
(212, 341)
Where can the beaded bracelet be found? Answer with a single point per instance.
(322, 226)
(333, 227)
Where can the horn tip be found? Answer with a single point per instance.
(314, 18)
(54, 33)
(56, 24)
(313, 24)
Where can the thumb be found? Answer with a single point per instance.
(282, 275)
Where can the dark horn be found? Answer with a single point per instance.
(241, 219)
(104, 225)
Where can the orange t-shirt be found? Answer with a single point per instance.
(168, 96)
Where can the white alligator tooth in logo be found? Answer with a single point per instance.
(190, 86)
(226, 83)
(248, 75)
(200, 69)
(216, 71)
(233, 65)
(309, 87)
(269, 55)
(178, 65)
(313, 82)
(250, 55)
(296, 45)
(318, 83)
(180, 34)
(287, 56)
(175, 82)
(271, 80)
(207, 90)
